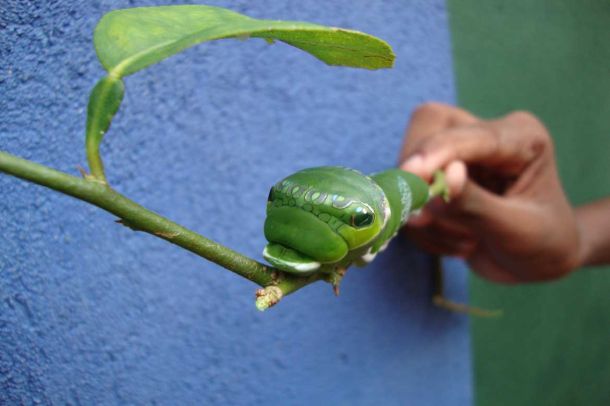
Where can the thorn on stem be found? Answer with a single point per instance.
(83, 172)
(335, 279)
(124, 222)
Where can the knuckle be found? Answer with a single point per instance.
(522, 116)
(528, 120)
(439, 144)
(429, 109)
(490, 130)
(534, 126)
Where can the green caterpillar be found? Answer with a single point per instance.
(327, 218)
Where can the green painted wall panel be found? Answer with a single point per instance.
(552, 347)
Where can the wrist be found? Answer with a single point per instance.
(584, 244)
(593, 224)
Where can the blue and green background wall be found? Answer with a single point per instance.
(92, 313)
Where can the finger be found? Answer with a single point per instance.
(428, 240)
(456, 176)
(485, 267)
(415, 164)
(501, 220)
(498, 144)
(445, 224)
(476, 205)
(430, 118)
(474, 211)
(443, 235)
(421, 219)
(433, 210)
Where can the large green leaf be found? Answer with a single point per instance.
(131, 39)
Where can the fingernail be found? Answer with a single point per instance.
(413, 163)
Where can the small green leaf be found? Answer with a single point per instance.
(104, 102)
(131, 39)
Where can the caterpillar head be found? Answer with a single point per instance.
(317, 216)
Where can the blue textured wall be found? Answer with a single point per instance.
(92, 313)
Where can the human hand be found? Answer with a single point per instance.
(508, 215)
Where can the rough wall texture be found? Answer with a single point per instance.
(92, 313)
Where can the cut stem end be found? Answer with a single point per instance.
(267, 297)
(439, 186)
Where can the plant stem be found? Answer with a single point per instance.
(139, 218)
(95, 161)
(439, 299)
(439, 186)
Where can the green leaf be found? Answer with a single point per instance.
(104, 102)
(131, 39)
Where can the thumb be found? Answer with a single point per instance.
(475, 202)
(487, 213)
(507, 223)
